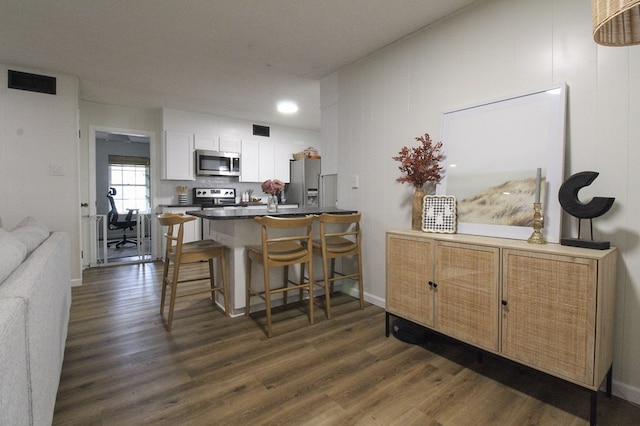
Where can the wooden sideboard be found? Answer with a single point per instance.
(547, 306)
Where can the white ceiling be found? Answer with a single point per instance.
(233, 58)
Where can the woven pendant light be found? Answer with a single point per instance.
(616, 22)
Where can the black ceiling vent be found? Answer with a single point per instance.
(31, 82)
(260, 130)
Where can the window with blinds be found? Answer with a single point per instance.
(129, 175)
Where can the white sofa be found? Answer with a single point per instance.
(35, 299)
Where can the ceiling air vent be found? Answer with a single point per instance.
(31, 82)
(260, 130)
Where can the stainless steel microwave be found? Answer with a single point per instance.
(213, 163)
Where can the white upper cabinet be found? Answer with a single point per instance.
(230, 144)
(264, 159)
(207, 142)
(266, 169)
(250, 161)
(283, 153)
(178, 156)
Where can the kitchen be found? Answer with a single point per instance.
(173, 165)
(225, 216)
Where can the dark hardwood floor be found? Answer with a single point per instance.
(122, 368)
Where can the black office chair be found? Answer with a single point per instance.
(114, 223)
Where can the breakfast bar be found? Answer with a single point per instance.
(235, 228)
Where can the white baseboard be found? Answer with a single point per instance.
(351, 288)
(374, 300)
(626, 392)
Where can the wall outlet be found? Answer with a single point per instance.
(355, 182)
(56, 170)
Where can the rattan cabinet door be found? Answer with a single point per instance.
(548, 313)
(409, 273)
(466, 300)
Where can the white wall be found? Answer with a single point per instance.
(39, 132)
(496, 49)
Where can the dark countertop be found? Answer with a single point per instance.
(244, 213)
(189, 206)
(212, 206)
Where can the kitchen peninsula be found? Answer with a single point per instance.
(235, 228)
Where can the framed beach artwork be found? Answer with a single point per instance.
(492, 154)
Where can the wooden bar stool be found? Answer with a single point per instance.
(336, 244)
(178, 253)
(277, 251)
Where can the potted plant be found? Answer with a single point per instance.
(420, 165)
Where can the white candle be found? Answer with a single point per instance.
(538, 182)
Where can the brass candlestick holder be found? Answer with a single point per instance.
(538, 223)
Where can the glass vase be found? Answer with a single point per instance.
(272, 203)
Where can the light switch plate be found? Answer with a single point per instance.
(355, 182)
(56, 170)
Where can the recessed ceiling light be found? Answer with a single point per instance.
(287, 107)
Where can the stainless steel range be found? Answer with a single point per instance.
(211, 197)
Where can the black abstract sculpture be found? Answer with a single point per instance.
(568, 197)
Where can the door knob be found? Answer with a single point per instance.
(84, 204)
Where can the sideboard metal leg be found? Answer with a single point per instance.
(386, 322)
(609, 381)
(593, 415)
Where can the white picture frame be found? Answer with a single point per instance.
(506, 141)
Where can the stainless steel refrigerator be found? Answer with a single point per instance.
(304, 185)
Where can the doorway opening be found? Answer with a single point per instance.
(123, 198)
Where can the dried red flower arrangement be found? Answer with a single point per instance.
(421, 164)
